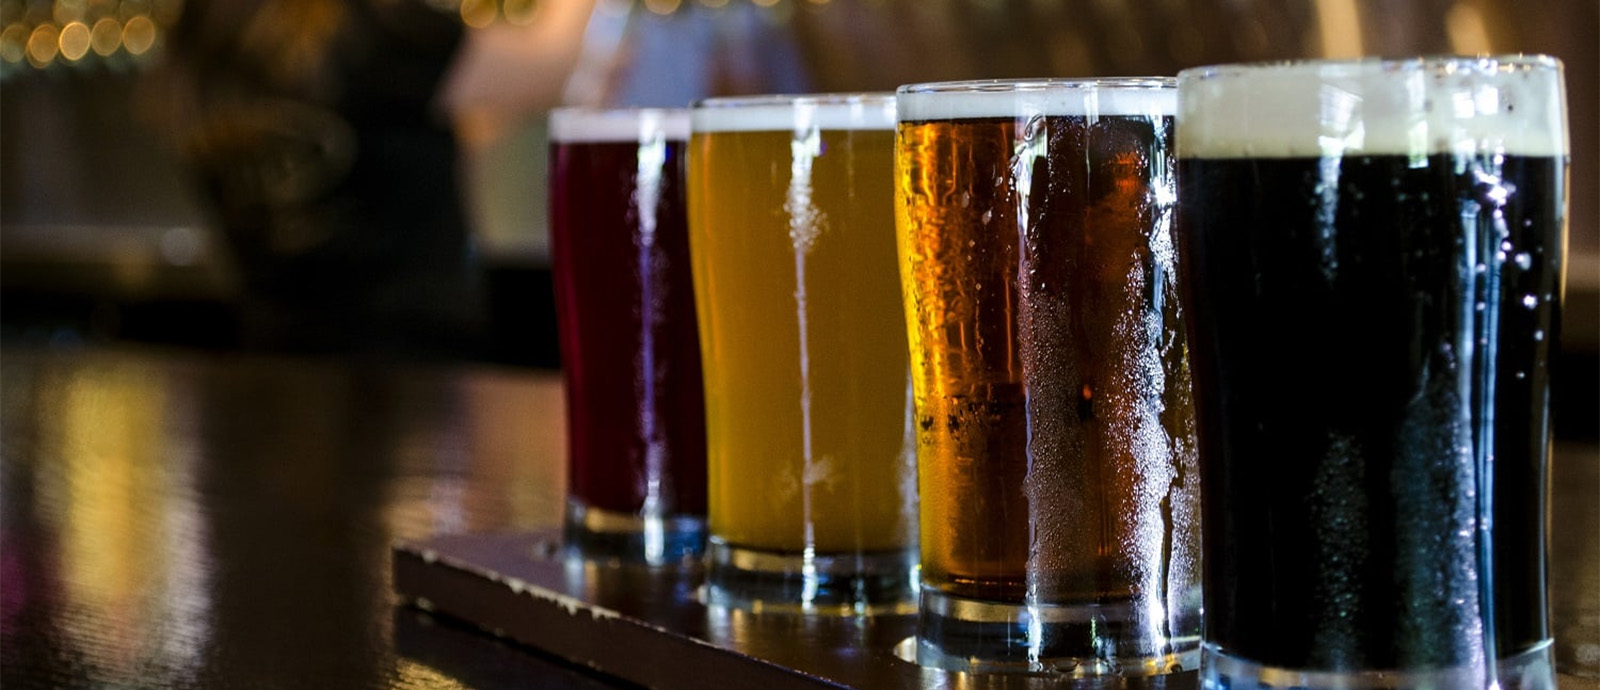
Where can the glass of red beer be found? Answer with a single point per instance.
(629, 347)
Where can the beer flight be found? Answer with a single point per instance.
(1060, 365)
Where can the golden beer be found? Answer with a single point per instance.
(1053, 408)
(791, 224)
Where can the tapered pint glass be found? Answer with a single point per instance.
(1055, 445)
(629, 341)
(1372, 255)
(812, 475)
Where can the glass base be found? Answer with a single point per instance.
(599, 535)
(870, 583)
(1076, 640)
(1530, 670)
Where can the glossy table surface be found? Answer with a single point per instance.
(177, 519)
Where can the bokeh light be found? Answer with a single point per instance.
(106, 36)
(662, 6)
(520, 12)
(74, 41)
(479, 13)
(43, 44)
(138, 35)
(14, 43)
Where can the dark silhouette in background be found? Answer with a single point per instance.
(310, 127)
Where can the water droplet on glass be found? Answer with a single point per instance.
(1506, 246)
(1521, 376)
(1530, 301)
(1523, 260)
(1538, 335)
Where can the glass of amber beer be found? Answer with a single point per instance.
(812, 473)
(629, 345)
(1054, 429)
(1372, 255)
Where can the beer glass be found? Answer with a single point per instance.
(629, 345)
(812, 476)
(1372, 255)
(1054, 428)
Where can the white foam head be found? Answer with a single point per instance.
(597, 125)
(793, 113)
(1409, 107)
(1138, 96)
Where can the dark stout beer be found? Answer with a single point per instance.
(1349, 380)
(1371, 332)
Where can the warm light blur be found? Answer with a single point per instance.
(14, 43)
(479, 13)
(662, 6)
(132, 541)
(73, 31)
(69, 11)
(74, 41)
(138, 35)
(520, 12)
(1468, 35)
(1339, 24)
(106, 37)
(43, 45)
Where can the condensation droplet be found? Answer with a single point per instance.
(1538, 335)
(1524, 260)
(1530, 301)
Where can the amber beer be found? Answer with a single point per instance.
(812, 478)
(1373, 257)
(1053, 416)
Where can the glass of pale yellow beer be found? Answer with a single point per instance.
(1055, 432)
(812, 472)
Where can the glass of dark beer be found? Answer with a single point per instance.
(1056, 456)
(1372, 267)
(629, 343)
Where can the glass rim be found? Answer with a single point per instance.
(578, 124)
(786, 99)
(615, 111)
(853, 112)
(1445, 63)
(1031, 85)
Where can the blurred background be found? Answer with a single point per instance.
(367, 176)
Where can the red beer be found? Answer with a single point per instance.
(629, 347)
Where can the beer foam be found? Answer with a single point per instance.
(618, 125)
(1396, 107)
(789, 113)
(1059, 97)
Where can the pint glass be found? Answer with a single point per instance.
(812, 476)
(1054, 429)
(629, 345)
(1372, 256)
